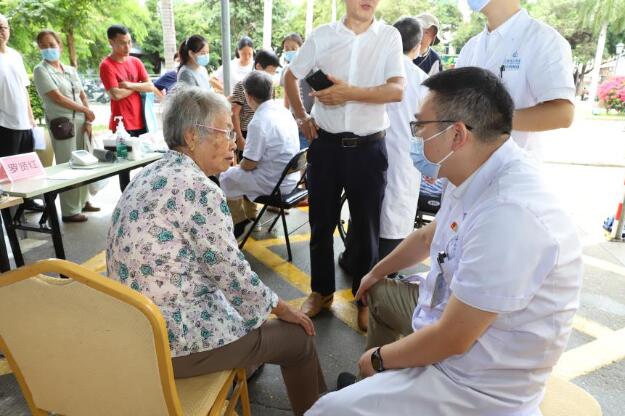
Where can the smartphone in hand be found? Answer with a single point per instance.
(319, 81)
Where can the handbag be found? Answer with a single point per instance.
(62, 128)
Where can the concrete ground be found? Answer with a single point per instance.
(582, 164)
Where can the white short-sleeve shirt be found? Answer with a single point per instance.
(511, 249)
(237, 72)
(365, 60)
(402, 179)
(13, 96)
(272, 141)
(532, 59)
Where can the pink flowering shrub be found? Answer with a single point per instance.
(612, 94)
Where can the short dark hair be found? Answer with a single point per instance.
(410, 31)
(295, 37)
(474, 96)
(47, 32)
(266, 58)
(115, 30)
(244, 42)
(259, 85)
(193, 43)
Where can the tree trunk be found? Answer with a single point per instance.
(169, 33)
(267, 14)
(594, 80)
(310, 11)
(71, 46)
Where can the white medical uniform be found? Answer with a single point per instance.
(511, 250)
(536, 61)
(272, 141)
(237, 72)
(14, 113)
(402, 187)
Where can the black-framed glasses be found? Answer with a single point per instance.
(231, 135)
(418, 125)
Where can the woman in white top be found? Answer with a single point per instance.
(194, 57)
(241, 65)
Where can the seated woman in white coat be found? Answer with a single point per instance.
(272, 141)
(480, 334)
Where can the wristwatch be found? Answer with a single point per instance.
(376, 360)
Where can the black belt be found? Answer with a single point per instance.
(348, 139)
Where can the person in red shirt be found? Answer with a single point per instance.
(124, 78)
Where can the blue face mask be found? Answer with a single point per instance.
(477, 5)
(420, 161)
(202, 60)
(289, 56)
(51, 54)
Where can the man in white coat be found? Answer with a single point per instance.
(532, 60)
(495, 312)
(272, 141)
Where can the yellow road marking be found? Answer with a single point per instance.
(4, 367)
(283, 268)
(592, 328)
(297, 238)
(605, 265)
(591, 356)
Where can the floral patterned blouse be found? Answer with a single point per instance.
(171, 240)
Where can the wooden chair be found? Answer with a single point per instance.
(563, 398)
(88, 345)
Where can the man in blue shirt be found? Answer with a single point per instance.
(428, 60)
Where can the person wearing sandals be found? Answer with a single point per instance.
(62, 95)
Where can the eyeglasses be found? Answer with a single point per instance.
(418, 125)
(231, 135)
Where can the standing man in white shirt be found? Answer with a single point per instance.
(495, 312)
(533, 61)
(402, 178)
(272, 141)
(16, 114)
(363, 58)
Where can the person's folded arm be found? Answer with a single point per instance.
(453, 334)
(117, 93)
(341, 92)
(144, 86)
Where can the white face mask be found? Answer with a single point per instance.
(420, 161)
(477, 5)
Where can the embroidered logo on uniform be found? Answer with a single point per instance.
(513, 63)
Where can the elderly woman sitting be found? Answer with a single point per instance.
(171, 239)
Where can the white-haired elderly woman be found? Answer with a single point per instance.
(171, 239)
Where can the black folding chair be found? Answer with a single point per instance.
(282, 201)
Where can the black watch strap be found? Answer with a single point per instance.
(376, 360)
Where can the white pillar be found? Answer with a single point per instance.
(267, 14)
(310, 10)
(594, 76)
(169, 33)
(225, 44)
(333, 10)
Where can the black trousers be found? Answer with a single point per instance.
(14, 142)
(361, 171)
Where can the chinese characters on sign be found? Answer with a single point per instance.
(25, 165)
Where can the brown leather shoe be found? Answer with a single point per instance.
(315, 302)
(363, 318)
(75, 218)
(90, 208)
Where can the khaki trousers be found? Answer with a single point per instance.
(242, 209)
(391, 304)
(275, 342)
